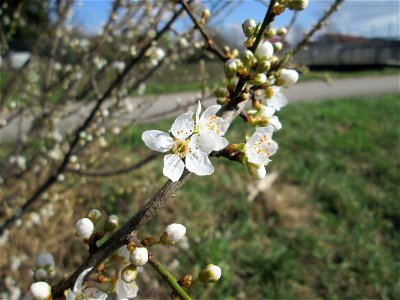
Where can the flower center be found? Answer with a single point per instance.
(212, 125)
(261, 146)
(180, 148)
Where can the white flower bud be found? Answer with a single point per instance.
(84, 228)
(259, 79)
(173, 233)
(211, 273)
(230, 68)
(249, 26)
(264, 51)
(256, 171)
(297, 4)
(111, 223)
(139, 256)
(44, 260)
(40, 274)
(287, 78)
(246, 57)
(129, 273)
(40, 290)
(94, 215)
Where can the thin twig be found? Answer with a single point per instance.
(212, 46)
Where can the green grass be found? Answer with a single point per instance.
(328, 228)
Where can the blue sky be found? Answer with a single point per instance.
(356, 17)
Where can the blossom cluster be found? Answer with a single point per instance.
(118, 277)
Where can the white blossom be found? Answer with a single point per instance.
(84, 228)
(81, 292)
(266, 116)
(173, 233)
(40, 290)
(259, 147)
(189, 142)
(139, 256)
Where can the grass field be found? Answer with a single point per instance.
(328, 228)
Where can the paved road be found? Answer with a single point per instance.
(161, 107)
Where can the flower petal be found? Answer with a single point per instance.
(79, 280)
(220, 143)
(199, 163)
(210, 111)
(278, 99)
(274, 121)
(157, 140)
(126, 291)
(93, 294)
(183, 126)
(198, 113)
(203, 142)
(173, 167)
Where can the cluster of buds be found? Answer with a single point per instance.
(95, 225)
(44, 267)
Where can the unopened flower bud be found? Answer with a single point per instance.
(297, 4)
(221, 92)
(230, 68)
(84, 228)
(246, 57)
(172, 234)
(222, 101)
(139, 256)
(278, 46)
(129, 273)
(205, 14)
(287, 77)
(94, 215)
(259, 79)
(111, 223)
(263, 66)
(40, 275)
(270, 33)
(249, 26)
(186, 281)
(264, 51)
(45, 261)
(40, 290)
(281, 31)
(274, 59)
(256, 171)
(211, 273)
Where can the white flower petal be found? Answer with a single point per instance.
(157, 140)
(199, 163)
(93, 294)
(203, 142)
(126, 291)
(198, 113)
(220, 143)
(267, 111)
(183, 126)
(173, 167)
(259, 147)
(79, 280)
(274, 121)
(278, 99)
(210, 111)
